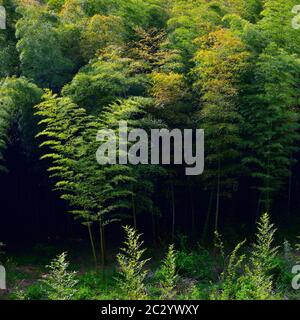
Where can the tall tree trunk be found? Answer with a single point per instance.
(134, 212)
(193, 218)
(218, 198)
(173, 212)
(268, 204)
(205, 229)
(102, 243)
(289, 194)
(257, 213)
(92, 242)
(153, 229)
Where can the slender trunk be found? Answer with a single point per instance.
(92, 242)
(268, 204)
(289, 195)
(192, 211)
(257, 213)
(173, 212)
(218, 198)
(153, 228)
(102, 245)
(258, 208)
(205, 229)
(133, 212)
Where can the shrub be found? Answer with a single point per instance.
(59, 282)
(256, 283)
(252, 281)
(282, 275)
(197, 264)
(168, 275)
(230, 275)
(19, 294)
(36, 291)
(132, 274)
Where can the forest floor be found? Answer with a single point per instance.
(26, 268)
(199, 270)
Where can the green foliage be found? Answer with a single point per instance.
(63, 121)
(263, 251)
(251, 280)
(9, 60)
(37, 291)
(147, 14)
(284, 263)
(190, 20)
(230, 67)
(60, 283)
(219, 64)
(132, 267)
(41, 57)
(5, 115)
(275, 24)
(243, 277)
(257, 283)
(271, 121)
(98, 35)
(298, 245)
(135, 111)
(90, 285)
(198, 264)
(216, 65)
(94, 192)
(230, 276)
(18, 96)
(168, 275)
(104, 81)
(218, 244)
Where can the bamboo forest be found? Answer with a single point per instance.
(205, 205)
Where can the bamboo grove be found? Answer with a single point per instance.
(69, 68)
